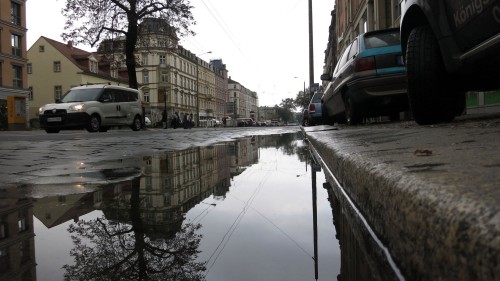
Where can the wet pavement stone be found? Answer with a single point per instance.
(431, 193)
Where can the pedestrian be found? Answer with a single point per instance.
(190, 120)
(175, 120)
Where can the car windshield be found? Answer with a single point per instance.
(76, 95)
(316, 98)
(378, 40)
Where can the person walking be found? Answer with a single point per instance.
(190, 120)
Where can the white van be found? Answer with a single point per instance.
(93, 107)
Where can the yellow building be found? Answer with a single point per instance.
(13, 77)
(55, 67)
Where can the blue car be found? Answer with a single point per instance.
(369, 80)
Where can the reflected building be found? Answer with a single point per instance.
(17, 242)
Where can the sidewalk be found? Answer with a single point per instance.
(431, 193)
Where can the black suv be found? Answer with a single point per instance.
(450, 47)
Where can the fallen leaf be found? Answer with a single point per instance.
(422, 152)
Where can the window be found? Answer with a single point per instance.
(4, 260)
(17, 80)
(23, 220)
(145, 77)
(93, 66)
(57, 66)
(15, 12)
(57, 92)
(41, 48)
(144, 59)
(16, 44)
(29, 68)
(164, 77)
(146, 97)
(163, 59)
(24, 250)
(30, 93)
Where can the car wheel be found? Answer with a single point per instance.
(137, 124)
(52, 130)
(431, 101)
(94, 123)
(352, 114)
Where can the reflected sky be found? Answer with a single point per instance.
(263, 229)
(251, 199)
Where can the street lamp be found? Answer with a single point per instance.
(198, 90)
(166, 113)
(304, 85)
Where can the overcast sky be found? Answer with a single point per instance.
(264, 43)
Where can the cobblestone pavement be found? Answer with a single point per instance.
(34, 157)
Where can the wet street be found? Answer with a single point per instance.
(202, 204)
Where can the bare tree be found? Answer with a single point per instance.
(91, 22)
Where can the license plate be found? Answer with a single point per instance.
(54, 119)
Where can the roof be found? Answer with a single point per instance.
(80, 58)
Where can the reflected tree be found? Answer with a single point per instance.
(117, 250)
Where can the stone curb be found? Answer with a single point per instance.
(438, 211)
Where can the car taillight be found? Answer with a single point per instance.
(363, 64)
(312, 107)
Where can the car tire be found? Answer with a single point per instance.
(137, 124)
(430, 90)
(94, 123)
(352, 114)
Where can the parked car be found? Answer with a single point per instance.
(369, 80)
(93, 107)
(450, 47)
(244, 122)
(314, 108)
(305, 118)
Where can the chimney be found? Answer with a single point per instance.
(70, 44)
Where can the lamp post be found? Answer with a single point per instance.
(304, 85)
(166, 114)
(198, 90)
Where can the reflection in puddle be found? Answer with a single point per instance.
(235, 211)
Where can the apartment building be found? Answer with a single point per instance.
(55, 67)
(14, 91)
(242, 102)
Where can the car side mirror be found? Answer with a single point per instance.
(326, 77)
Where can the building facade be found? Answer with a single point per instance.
(54, 68)
(241, 102)
(14, 91)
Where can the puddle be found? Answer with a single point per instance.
(239, 210)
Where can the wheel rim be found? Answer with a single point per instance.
(94, 123)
